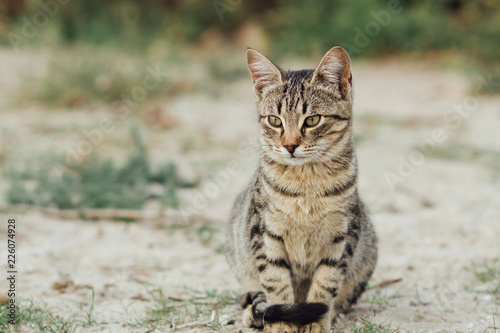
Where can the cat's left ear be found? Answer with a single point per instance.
(264, 72)
(335, 69)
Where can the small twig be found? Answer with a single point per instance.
(388, 283)
(195, 323)
(166, 217)
(201, 301)
(416, 195)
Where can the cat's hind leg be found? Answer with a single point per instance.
(350, 292)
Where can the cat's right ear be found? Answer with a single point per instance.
(264, 72)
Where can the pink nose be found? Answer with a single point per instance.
(290, 148)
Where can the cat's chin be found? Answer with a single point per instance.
(292, 160)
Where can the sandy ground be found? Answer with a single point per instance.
(442, 214)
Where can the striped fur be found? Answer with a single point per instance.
(299, 240)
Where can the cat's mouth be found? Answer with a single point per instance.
(298, 157)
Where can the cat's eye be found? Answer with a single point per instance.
(312, 121)
(274, 121)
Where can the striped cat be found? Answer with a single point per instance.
(299, 240)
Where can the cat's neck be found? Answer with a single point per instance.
(313, 178)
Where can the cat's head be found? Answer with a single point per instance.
(305, 115)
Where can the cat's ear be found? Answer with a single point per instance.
(264, 72)
(335, 70)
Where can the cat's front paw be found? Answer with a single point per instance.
(281, 328)
(248, 319)
(322, 326)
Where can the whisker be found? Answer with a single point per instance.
(273, 152)
(258, 146)
(338, 156)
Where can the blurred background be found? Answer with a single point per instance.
(140, 117)
(81, 56)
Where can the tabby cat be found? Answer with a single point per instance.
(299, 240)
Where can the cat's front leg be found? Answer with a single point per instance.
(273, 266)
(274, 274)
(327, 282)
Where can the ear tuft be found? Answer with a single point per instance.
(264, 72)
(335, 69)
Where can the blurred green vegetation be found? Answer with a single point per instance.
(411, 26)
(95, 183)
(301, 27)
(487, 158)
(366, 28)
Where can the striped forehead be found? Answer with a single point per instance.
(293, 98)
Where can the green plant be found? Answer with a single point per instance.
(198, 309)
(379, 298)
(494, 327)
(91, 310)
(95, 183)
(368, 326)
(487, 272)
(32, 316)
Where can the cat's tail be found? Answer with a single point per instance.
(297, 313)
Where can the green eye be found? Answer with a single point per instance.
(274, 121)
(312, 121)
